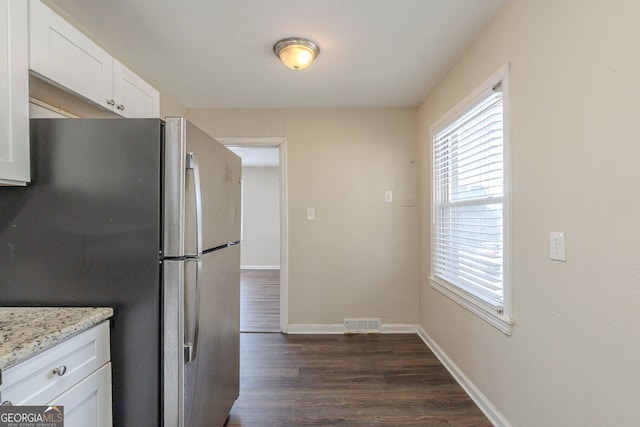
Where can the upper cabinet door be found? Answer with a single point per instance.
(14, 93)
(64, 56)
(134, 97)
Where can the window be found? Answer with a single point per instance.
(469, 235)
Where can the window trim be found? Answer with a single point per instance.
(499, 317)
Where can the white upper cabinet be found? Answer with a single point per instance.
(14, 93)
(64, 56)
(134, 97)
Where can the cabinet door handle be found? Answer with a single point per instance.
(59, 371)
(120, 107)
(111, 102)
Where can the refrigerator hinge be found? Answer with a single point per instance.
(190, 161)
(188, 352)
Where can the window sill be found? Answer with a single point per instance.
(481, 308)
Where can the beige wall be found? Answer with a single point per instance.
(360, 256)
(169, 106)
(575, 90)
(260, 217)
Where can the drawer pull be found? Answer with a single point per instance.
(7, 403)
(59, 371)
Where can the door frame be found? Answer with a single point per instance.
(281, 143)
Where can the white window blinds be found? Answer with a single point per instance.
(468, 177)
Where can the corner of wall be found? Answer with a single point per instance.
(489, 410)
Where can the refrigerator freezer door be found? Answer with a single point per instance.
(219, 172)
(201, 392)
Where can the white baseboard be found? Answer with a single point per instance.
(259, 267)
(398, 328)
(490, 411)
(303, 328)
(390, 328)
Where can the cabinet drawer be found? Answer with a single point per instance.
(33, 382)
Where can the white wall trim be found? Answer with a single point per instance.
(490, 411)
(281, 143)
(478, 306)
(50, 107)
(259, 267)
(390, 328)
(267, 141)
(398, 328)
(304, 328)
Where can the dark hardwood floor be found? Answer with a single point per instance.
(260, 300)
(347, 380)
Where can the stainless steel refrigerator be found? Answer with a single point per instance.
(142, 215)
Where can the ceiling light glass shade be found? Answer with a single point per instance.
(296, 53)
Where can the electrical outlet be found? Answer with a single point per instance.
(556, 246)
(311, 214)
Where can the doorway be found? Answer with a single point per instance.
(263, 287)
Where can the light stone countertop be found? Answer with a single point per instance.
(26, 331)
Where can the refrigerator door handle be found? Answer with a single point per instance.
(192, 164)
(191, 340)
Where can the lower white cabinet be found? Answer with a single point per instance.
(88, 403)
(75, 374)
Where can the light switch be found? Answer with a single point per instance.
(311, 214)
(556, 246)
(388, 196)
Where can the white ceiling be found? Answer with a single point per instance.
(218, 53)
(258, 156)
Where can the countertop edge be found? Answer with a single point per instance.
(91, 316)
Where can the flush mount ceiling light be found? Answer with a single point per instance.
(296, 53)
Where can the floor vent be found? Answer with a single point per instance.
(369, 325)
